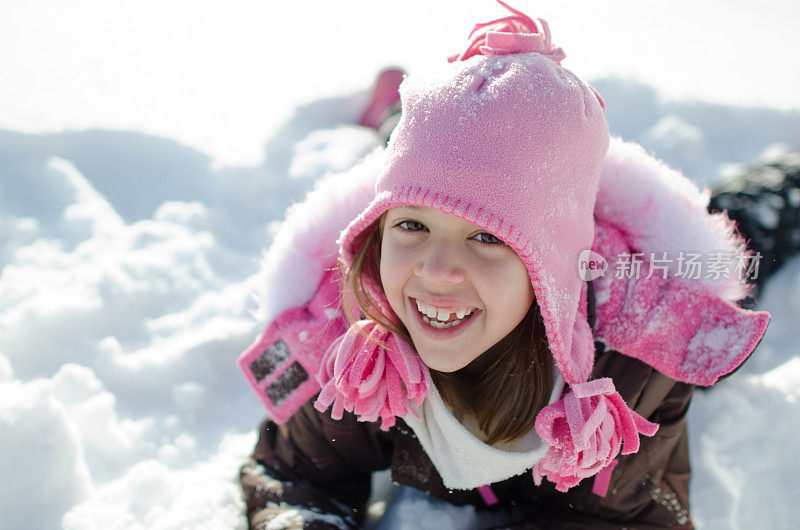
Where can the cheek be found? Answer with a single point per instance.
(508, 289)
(393, 273)
(523, 292)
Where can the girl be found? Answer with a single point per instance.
(517, 326)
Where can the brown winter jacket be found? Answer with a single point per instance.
(324, 466)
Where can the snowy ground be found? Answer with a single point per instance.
(128, 253)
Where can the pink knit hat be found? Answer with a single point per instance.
(509, 140)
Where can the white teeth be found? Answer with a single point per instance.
(440, 325)
(434, 312)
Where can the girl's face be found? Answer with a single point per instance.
(435, 263)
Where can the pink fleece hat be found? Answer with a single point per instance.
(507, 139)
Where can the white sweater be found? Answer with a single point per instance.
(458, 451)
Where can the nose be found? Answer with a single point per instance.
(441, 265)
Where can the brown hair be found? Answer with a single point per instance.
(504, 387)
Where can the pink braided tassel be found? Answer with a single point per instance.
(360, 376)
(586, 430)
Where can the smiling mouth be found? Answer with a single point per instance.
(452, 322)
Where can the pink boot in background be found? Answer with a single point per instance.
(385, 100)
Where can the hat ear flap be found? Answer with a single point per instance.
(581, 356)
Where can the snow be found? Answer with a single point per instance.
(135, 203)
(44, 466)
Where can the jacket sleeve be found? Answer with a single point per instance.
(649, 489)
(313, 472)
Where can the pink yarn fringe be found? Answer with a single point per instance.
(359, 376)
(586, 430)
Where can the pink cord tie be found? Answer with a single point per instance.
(369, 380)
(603, 479)
(586, 430)
(488, 496)
(512, 34)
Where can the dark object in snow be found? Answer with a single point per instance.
(764, 201)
